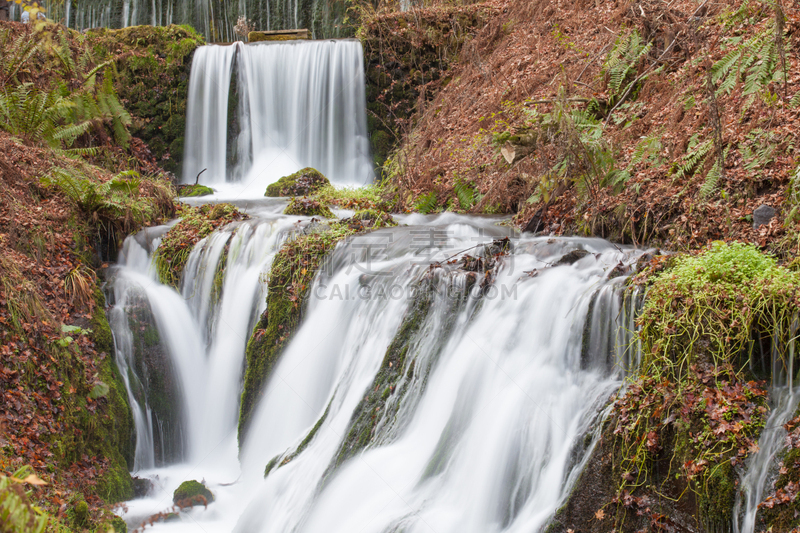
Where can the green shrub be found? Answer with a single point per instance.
(708, 306)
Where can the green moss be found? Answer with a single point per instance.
(81, 513)
(191, 493)
(153, 65)
(370, 197)
(191, 191)
(308, 207)
(290, 279)
(706, 308)
(302, 183)
(196, 223)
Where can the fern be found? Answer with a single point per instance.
(466, 194)
(758, 151)
(712, 180)
(754, 62)
(27, 111)
(694, 158)
(427, 203)
(16, 54)
(622, 64)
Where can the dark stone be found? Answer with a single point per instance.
(141, 487)
(762, 215)
(535, 223)
(572, 257)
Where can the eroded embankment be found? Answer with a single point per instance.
(73, 183)
(634, 121)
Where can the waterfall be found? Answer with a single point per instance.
(215, 20)
(298, 104)
(482, 425)
(762, 466)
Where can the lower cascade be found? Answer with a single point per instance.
(416, 394)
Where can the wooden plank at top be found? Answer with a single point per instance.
(278, 35)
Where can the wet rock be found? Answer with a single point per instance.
(762, 215)
(619, 270)
(192, 493)
(572, 257)
(141, 487)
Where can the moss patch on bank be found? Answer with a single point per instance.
(675, 442)
(308, 208)
(153, 65)
(196, 224)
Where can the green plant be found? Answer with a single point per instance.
(466, 194)
(16, 54)
(426, 203)
(755, 62)
(694, 158)
(17, 515)
(622, 64)
(39, 115)
(726, 293)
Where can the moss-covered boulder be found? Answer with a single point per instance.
(196, 223)
(302, 183)
(191, 493)
(289, 284)
(308, 207)
(194, 191)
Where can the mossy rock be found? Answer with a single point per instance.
(372, 219)
(308, 207)
(288, 286)
(194, 191)
(302, 183)
(191, 493)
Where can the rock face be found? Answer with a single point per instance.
(192, 493)
(301, 183)
(762, 215)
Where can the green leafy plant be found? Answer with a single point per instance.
(17, 515)
(426, 203)
(466, 194)
(39, 115)
(755, 62)
(622, 63)
(727, 293)
(694, 158)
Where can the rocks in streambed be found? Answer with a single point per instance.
(191, 493)
(302, 183)
(572, 257)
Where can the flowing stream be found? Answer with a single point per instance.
(484, 429)
(293, 105)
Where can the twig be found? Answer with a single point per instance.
(197, 179)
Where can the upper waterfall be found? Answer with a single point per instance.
(297, 104)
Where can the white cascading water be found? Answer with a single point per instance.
(763, 465)
(485, 430)
(300, 104)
